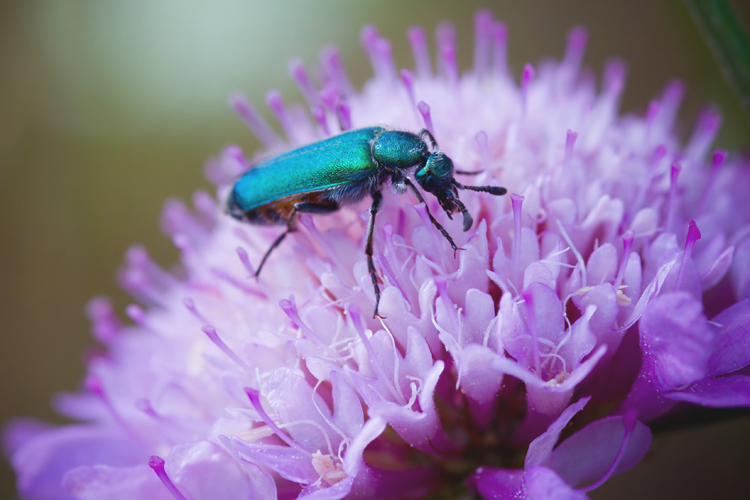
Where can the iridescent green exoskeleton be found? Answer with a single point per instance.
(321, 177)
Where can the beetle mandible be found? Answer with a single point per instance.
(321, 177)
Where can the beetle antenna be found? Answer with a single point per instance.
(493, 190)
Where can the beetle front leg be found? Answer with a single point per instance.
(377, 199)
(434, 222)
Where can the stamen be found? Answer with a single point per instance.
(144, 405)
(379, 51)
(407, 77)
(659, 153)
(300, 76)
(570, 140)
(254, 121)
(353, 312)
(418, 41)
(484, 150)
(190, 306)
(289, 306)
(319, 113)
(450, 64)
(143, 279)
(445, 35)
(157, 464)
(516, 201)
(614, 77)
(385, 54)
(717, 160)
(577, 39)
(531, 321)
(627, 248)
(424, 110)
(674, 175)
(240, 285)
(93, 384)
(206, 205)
(500, 49)
(331, 61)
(693, 235)
(482, 33)
(210, 331)
(704, 134)
(368, 37)
(242, 254)
(330, 96)
(276, 102)
(105, 324)
(345, 116)
(255, 401)
(137, 315)
(670, 103)
(526, 77)
(629, 420)
(330, 250)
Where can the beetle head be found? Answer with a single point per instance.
(436, 177)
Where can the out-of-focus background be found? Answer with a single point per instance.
(109, 108)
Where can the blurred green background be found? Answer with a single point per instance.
(108, 108)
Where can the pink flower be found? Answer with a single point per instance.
(528, 366)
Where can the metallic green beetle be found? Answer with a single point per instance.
(321, 177)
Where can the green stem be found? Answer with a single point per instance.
(728, 39)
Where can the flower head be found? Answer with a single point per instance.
(527, 364)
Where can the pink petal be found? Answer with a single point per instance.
(586, 455)
(722, 392)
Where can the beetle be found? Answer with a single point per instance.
(323, 176)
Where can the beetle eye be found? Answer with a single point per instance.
(430, 183)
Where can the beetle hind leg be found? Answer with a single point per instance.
(291, 226)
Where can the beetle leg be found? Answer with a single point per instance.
(290, 228)
(306, 207)
(302, 207)
(434, 222)
(377, 198)
(425, 132)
